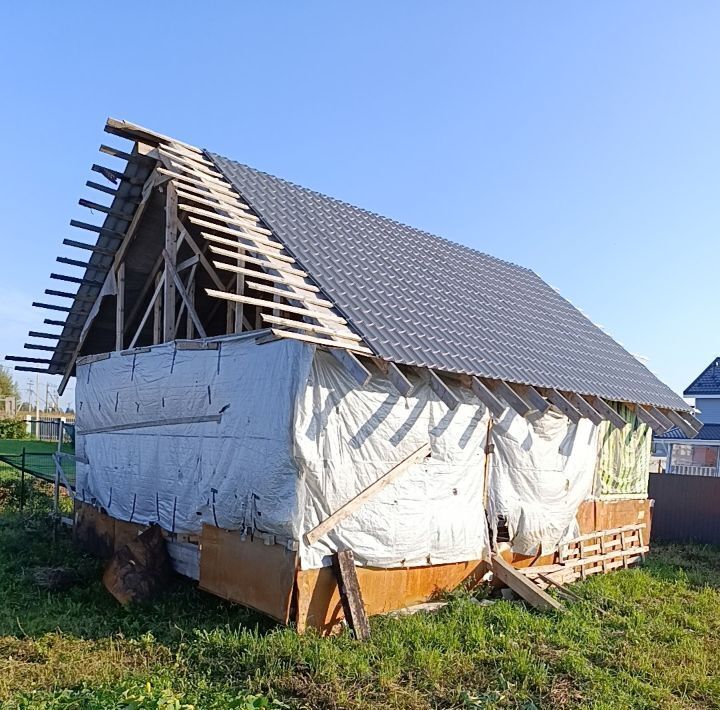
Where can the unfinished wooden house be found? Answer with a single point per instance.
(271, 375)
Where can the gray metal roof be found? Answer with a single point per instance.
(707, 382)
(421, 300)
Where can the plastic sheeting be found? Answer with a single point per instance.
(543, 467)
(348, 436)
(235, 473)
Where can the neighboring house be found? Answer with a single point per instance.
(272, 375)
(698, 455)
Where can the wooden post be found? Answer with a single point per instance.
(120, 307)
(349, 588)
(22, 481)
(56, 492)
(157, 313)
(171, 235)
(239, 289)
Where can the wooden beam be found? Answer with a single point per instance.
(89, 247)
(97, 228)
(694, 422)
(266, 277)
(104, 209)
(50, 321)
(183, 294)
(440, 388)
(494, 405)
(170, 256)
(237, 207)
(75, 279)
(647, 418)
(120, 307)
(657, 414)
(584, 407)
(49, 336)
(134, 132)
(36, 360)
(266, 263)
(35, 346)
(21, 368)
(290, 295)
(607, 412)
(115, 176)
(250, 244)
(73, 262)
(689, 431)
(319, 315)
(338, 343)
(352, 365)
(350, 594)
(69, 294)
(521, 585)
(121, 154)
(102, 188)
(398, 380)
(501, 389)
(347, 509)
(151, 307)
(236, 202)
(51, 307)
(225, 191)
(531, 397)
(563, 405)
(203, 259)
(241, 222)
(310, 327)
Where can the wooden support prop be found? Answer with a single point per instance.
(266, 263)
(676, 419)
(350, 596)
(500, 388)
(120, 307)
(584, 407)
(51, 307)
(660, 417)
(521, 585)
(170, 256)
(531, 397)
(187, 263)
(352, 365)
(89, 247)
(494, 405)
(72, 262)
(604, 409)
(96, 228)
(310, 327)
(105, 209)
(347, 509)
(563, 405)
(440, 388)
(36, 360)
(151, 307)
(34, 346)
(181, 290)
(320, 315)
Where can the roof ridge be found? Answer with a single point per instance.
(715, 363)
(375, 215)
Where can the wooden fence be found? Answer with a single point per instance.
(687, 508)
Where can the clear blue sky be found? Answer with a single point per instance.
(578, 139)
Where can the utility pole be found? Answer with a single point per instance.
(37, 399)
(47, 397)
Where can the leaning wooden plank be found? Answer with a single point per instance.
(667, 424)
(239, 231)
(320, 315)
(531, 396)
(514, 579)
(347, 509)
(295, 283)
(183, 294)
(252, 245)
(563, 405)
(337, 343)
(350, 596)
(292, 295)
(605, 410)
(267, 263)
(310, 327)
(646, 418)
(352, 365)
(398, 379)
(155, 422)
(483, 393)
(684, 426)
(440, 388)
(584, 407)
(694, 422)
(501, 389)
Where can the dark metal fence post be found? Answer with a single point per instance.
(22, 481)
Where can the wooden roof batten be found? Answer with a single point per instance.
(290, 304)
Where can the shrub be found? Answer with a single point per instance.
(12, 429)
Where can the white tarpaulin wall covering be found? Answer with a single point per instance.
(543, 468)
(189, 468)
(349, 436)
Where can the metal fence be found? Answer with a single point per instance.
(687, 508)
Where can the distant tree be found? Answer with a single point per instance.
(8, 386)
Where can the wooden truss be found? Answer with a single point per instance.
(211, 230)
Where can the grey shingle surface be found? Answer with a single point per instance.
(707, 382)
(708, 432)
(421, 300)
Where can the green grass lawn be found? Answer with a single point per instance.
(644, 638)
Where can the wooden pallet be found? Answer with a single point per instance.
(595, 553)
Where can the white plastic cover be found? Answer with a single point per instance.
(543, 467)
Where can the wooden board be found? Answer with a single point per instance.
(521, 585)
(350, 594)
(318, 601)
(248, 571)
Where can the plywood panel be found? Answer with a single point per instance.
(383, 590)
(247, 571)
(610, 514)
